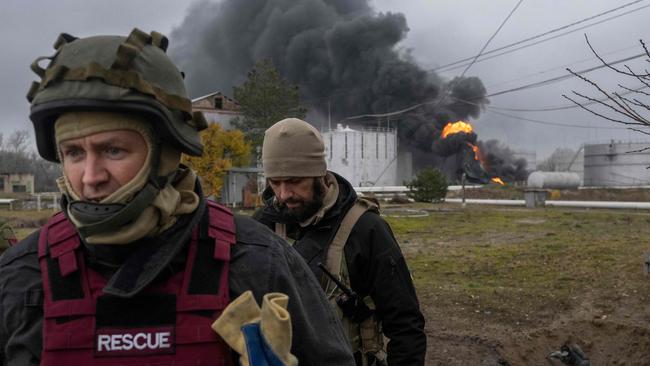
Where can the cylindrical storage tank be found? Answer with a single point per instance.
(366, 157)
(617, 164)
(553, 180)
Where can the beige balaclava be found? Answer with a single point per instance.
(293, 148)
(171, 201)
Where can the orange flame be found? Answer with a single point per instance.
(475, 149)
(498, 180)
(456, 127)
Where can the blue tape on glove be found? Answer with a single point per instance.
(259, 352)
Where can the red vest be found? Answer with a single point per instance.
(165, 324)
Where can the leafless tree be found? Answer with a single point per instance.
(558, 161)
(629, 107)
(17, 141)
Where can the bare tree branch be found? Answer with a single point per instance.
(628, 110)
(640, 104)
(631, 108)
(641, 131)
(605, 62)
(622, 109)
(639, 77)
(634, 90)
(17, 141)
(598, 114)
(603, 103)
(645, 48)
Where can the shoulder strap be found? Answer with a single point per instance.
(335, 250)
(209, 257)
(59, 240)
(222, 229)
(58, 261)
(281, 230)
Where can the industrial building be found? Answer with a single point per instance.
(367, 156)
(217, 108)
(616, 164)
(16, 183)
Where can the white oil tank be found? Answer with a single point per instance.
(366, 157)
(553, 180)
(617, 164)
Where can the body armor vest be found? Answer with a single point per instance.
(168, 323)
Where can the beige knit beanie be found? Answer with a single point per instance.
(293, 148)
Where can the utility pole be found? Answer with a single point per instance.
(329, 114)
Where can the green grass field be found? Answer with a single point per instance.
(519, 264)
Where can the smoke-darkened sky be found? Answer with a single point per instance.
(434, 33)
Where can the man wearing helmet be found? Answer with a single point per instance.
(139, 265)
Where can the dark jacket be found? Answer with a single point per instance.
(375, 265)
(260, 261)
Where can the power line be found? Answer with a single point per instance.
(492, 37)
(563, 77)
(447, 66)
(523, 87)
(544, 40)
(557, 124)
(357, 92)
(561, 67)
(563, 107)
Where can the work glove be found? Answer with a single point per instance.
(261, 337)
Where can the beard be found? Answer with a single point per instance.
(306, 209)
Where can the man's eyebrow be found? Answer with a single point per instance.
(68, 144)
(102, 143)
(110, 141)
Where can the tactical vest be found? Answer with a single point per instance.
(166, 324)
(365, 337)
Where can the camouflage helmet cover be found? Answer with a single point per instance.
(131, 74)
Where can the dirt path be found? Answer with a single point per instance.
(606, 339)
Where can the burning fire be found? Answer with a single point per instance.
(498, 180)
(476, 151)
(456, 127)
(464, 127)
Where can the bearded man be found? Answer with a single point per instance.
(337, 232)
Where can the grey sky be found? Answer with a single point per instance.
(442, 31)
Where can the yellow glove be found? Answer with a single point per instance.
(259, 336)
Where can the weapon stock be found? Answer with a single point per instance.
(352, 306)
(348, 291)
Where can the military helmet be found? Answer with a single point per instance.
(129, 74)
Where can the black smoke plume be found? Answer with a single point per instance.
(500, 160)
(343, 55)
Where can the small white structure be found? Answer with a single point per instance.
(366, 157)
(553, 180)
(242, 187)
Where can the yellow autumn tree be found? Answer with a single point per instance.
(221, 150)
